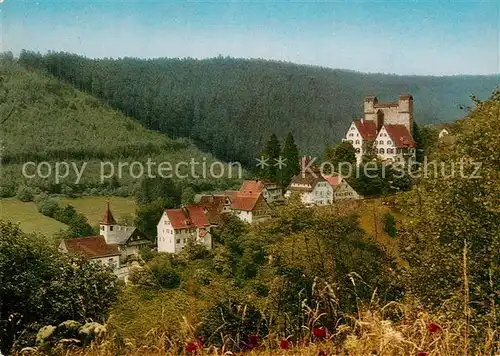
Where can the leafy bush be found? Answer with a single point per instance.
(48, 207)
(390, 224)
(159, 273)
(39, 279)
(233, 319)
(7, 191)
(25, 194)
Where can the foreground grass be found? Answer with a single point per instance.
(28, 217)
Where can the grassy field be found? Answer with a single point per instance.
(28, 217)
(93, 207)
(30, 220)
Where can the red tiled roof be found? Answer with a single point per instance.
(367, 129)
(107, 218)
(400, 135)
(91, 247)
(245, 201)
(252, 186)
(213, 202)
(189, 216)
(334, 181)
(231, 193)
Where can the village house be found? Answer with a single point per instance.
(93, 248)
(313, 188)
(443, 132)
(341, 188)
(250, 207)
(179, 227)
(215, 206)
(114, 246)
(386, 126)
(271, 191)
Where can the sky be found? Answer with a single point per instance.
(403, 37)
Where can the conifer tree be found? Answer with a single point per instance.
(291, 156)
(272, 154)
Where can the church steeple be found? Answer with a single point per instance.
(109, 226)
(107, 218)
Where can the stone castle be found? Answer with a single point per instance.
(398, 113)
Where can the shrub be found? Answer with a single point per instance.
(48, 207)
(390, 224)
(233, 319)
(25, 194)
(31, 266)
(7, 191)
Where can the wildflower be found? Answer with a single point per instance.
(322, 353)
(433, 328)
(194, 346)
(319, 332)
(422, 353)
(253, 341)
(284, 344)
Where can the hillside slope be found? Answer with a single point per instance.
(231, 106)
(52, 121)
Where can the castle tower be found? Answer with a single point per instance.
(405, 111)
(369, 108)
(109, 227)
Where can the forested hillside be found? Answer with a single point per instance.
(231, 106)
(44, 119)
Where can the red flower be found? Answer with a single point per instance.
(433, 328)
(284, 344)
(422, 353)
(194, 346)
(253, 341)
(319, 332)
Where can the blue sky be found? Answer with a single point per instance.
(410, 37)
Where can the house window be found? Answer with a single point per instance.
(103, 228)
(382, 151)
(381, 142)
(357, 142)
(178, 241)
(358, 150)
(111, 263)
(351, 134)
(390, 150)
(111, 228)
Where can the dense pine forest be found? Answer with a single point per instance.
(44, 119)
(230, 106)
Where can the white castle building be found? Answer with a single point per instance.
(386, 126)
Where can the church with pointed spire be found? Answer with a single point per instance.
(115, 245)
